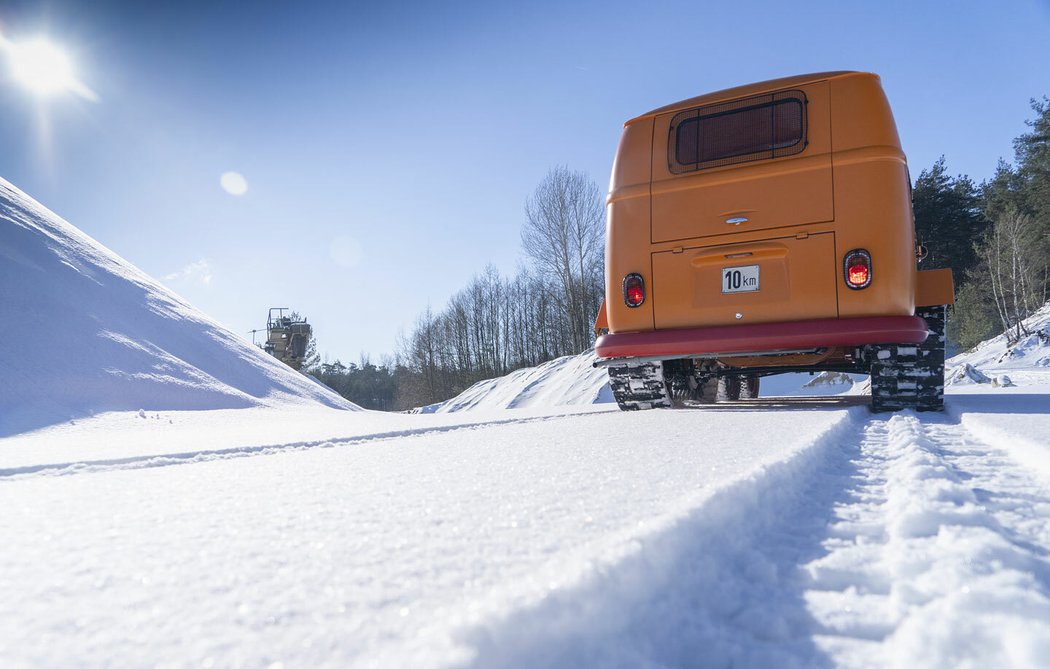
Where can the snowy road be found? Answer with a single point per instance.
(778, 533)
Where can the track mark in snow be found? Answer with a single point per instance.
(191, 457)
(966, 550)
(719, 588)
(892, 542)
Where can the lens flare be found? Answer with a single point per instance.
(43, 68)
(234, 183)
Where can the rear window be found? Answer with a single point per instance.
(758, 128)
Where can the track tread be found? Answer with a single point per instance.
(909, 376)
(639, 385)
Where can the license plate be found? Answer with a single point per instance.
(740, 279)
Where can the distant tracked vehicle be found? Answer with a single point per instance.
(287, 337)
(768, 229)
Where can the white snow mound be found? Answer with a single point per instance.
(88, 332)
(573, 381)
(1027, 360)
(569, 380)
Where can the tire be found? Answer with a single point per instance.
(741, 386)
(688, 386)
(750, 385)
(733, 387)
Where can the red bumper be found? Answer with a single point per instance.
(763, 337)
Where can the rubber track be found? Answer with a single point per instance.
(639, 385)
(907, 376)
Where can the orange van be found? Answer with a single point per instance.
(768, 229)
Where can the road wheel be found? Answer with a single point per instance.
(749, 386)
(733, 387)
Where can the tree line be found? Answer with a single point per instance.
(497, 324)
(995, 236)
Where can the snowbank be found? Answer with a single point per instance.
(88, 332)
(574, 381)
(562, 381)
(999, 364)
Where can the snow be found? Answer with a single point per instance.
(574, 381)
(88, 332)
(373, 553)
(170, 496)
(1028, 359)
(1002, 390)
(527, 538)
(569, 380)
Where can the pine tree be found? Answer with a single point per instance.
(972, 320)
(1003, 192)
(312, 359)
(1032, 152)
(948, 219)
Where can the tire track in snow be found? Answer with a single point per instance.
(898, 541)
(207, 455)
(719, 588)
(967, 546)
(941, 557)
(204, 455)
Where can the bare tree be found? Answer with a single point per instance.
(1012, 262)
(563, 234)
(496, 324)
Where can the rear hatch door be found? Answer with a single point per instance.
(759, 163)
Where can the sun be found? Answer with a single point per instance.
(43, 68)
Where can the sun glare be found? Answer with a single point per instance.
(43, 68)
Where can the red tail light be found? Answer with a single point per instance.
(633, 290)
(857, 268)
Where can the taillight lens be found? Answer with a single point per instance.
(857, 268)
(633, 290)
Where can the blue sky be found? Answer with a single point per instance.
(389, 148)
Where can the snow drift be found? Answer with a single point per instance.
(573, 381)
(997, 361)
(569, 380)
(91, 333)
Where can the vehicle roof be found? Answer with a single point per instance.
(748, 90)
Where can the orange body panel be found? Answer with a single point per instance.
(787, 219)
(627, 244)
(601, 322)
(935, 287)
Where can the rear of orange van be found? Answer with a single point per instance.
(769, 218)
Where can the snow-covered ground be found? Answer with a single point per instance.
(540, 528)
